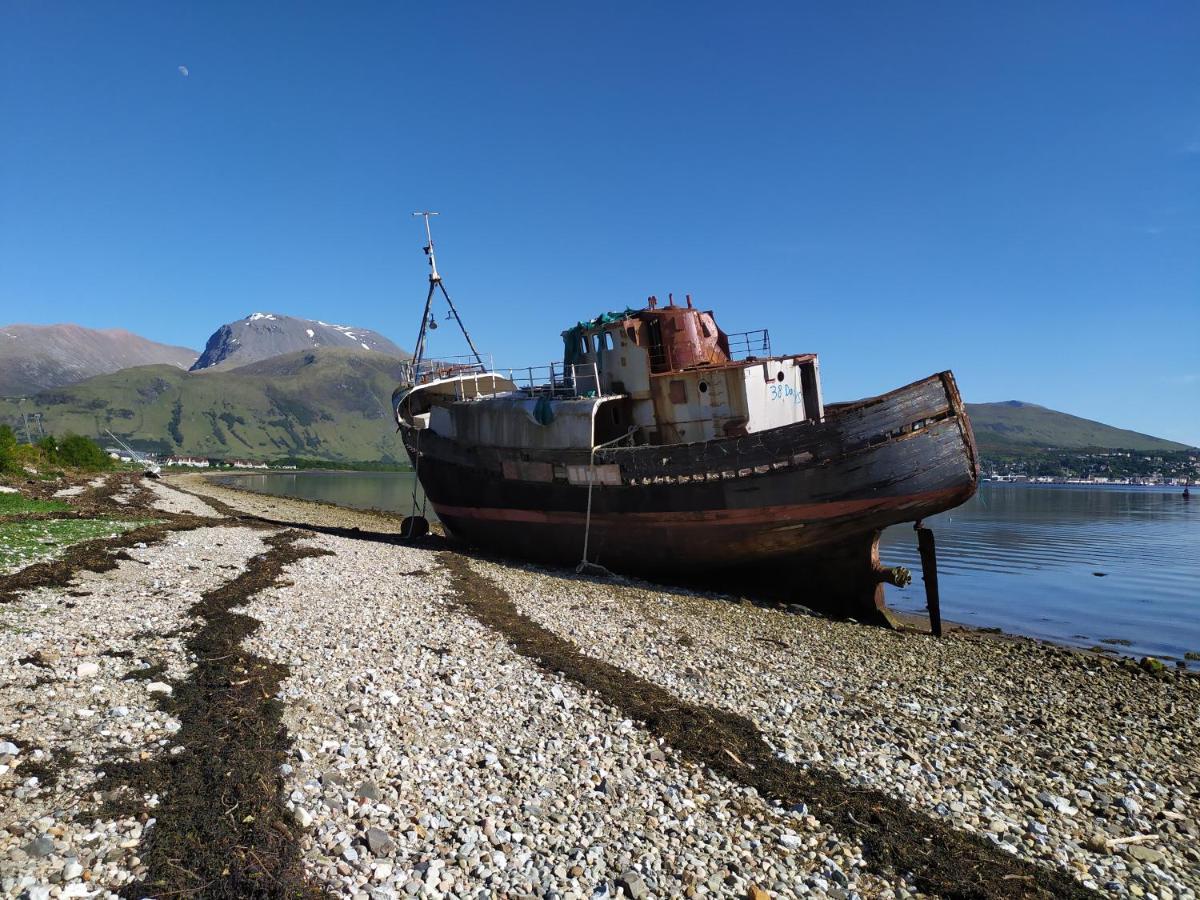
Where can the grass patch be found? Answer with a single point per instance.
(15, 505)
(22, 543)
(100, 555)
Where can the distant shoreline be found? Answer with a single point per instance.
(1161, 486)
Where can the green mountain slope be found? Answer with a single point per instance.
(1013, 426)
(330, 403)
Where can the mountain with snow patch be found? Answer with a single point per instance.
(263, 335)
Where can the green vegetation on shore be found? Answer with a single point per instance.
(24, 542)
(73, 451)
(17, 505)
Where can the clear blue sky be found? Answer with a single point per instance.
(1008, 190)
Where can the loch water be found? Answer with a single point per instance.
(1116, 567)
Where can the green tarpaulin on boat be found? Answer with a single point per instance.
(543, 411)
(572, 347)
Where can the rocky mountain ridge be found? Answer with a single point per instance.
(261, 336)
(37, 357)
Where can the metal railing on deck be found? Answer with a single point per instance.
(554, 380)
(558, 381)
(447, 367)
(746, 344)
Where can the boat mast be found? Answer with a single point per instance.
(435, 283)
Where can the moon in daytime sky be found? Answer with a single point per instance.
(183, 70)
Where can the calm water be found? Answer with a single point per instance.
(1025, 558)
(1018, 557)
(392, 491)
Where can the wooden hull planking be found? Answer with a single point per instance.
(802, 494)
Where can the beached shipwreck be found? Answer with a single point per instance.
(663, 446)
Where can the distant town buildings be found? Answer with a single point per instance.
(196, 461)
(1048, 479)
(1120, 467)
(246, 464)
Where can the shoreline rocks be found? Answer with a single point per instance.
(428, 759)
(431, 760)
(1035, 746)
(72, 697)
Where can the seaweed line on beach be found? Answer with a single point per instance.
(95, 556)
(895, 837)
(221, 828)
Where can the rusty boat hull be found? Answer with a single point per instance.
(803, 496)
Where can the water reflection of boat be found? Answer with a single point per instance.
(664, 444)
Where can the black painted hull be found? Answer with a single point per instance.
(796, 491)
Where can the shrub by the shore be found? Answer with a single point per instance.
(74, 451)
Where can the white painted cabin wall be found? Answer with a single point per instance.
(770, 402)
(629, 365)
(693, 419)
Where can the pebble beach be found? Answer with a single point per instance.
(418, 741)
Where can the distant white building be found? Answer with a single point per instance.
(195, 461)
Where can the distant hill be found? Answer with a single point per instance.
(35, 357)
(1013, 426)
(328, 403)
(264, 335)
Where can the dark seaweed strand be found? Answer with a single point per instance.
(94, 556)
(894, 837)
(221, 827)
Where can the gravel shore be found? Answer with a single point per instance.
(1051, 753)
(426, 756)
(431, 759)
(82, 670)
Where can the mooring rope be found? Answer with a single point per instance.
(584, 565)
(416, 474)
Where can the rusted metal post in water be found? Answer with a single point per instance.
(928, 551)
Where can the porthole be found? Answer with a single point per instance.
(703, 386)
(779, 377)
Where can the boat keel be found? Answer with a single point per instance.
(847, 581)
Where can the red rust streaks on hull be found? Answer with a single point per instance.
(777, 516)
